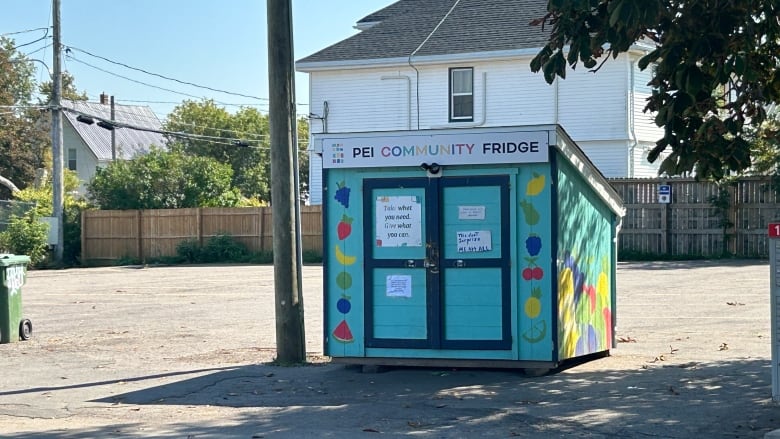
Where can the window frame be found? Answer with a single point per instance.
(453, 95)
(74, 159)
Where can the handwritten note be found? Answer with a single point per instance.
(474, 241)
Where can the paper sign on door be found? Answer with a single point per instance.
(474, 241)
(398, 221)
(398, 285)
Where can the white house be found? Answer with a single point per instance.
(87, 146)
(433, 64)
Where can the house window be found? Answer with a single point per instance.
(462, 94)
(72, 159)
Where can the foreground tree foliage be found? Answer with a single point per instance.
(164, 180)
(237, 139)
(716, 69)
(23, 141)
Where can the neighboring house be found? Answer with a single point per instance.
(432, 64)
(87, 147)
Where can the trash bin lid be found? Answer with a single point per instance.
(7, 259)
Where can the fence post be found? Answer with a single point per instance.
(140, 225)
(199, 225)
(84, 253)
(733, 230)
(260, 218)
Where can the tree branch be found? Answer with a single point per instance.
(9, 184)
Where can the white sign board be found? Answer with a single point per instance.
(471, 212)
(451, 148)
(398, 285)
(398, 221)
(664, 194)
(474, 241)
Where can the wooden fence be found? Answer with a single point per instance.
(691, 225)
(109, 235)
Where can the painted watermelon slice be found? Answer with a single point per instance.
(342, 333)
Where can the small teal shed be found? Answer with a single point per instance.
(491, 247)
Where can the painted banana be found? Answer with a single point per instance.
(535, 185)
(344, 259)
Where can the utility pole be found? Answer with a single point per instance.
(290, 336)
(56, 133)
(113, 132)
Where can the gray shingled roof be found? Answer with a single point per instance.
(473, 26)
(129, 142)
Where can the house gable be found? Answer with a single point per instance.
(470, 27)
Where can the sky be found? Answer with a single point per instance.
(221, 45)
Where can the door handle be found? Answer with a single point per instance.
(410, 263)
(460, 263)
(432, 266)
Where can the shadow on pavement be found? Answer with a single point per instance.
(729, 399)
(108, 382)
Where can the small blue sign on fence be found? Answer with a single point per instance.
(664, 193)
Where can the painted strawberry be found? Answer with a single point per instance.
(344, 228)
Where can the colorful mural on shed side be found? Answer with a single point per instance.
(534, 265)
(584, 285)
(342, 332)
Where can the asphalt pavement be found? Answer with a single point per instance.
(186, 351)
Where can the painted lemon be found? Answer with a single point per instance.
(535, 185)
(344, 259)
(533, 307)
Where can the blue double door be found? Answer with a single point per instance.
(437, 266)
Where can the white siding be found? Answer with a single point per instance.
(594, 106)
(594, 109)
(611, 158)
(86, 162)
(315, 179)
(642, 168)
(360, 100)
(644, 123)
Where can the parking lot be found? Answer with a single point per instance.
(184, 352)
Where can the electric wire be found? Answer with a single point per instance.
(136, 81)
(24, 31)
(156, 118)
(116, 124)
(31, 42)
(165, 77)
(38, 49)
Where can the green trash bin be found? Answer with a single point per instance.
(13, 273)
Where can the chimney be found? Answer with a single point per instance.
(104, 98)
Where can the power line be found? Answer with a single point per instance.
(136, 81)
(165, 77)
(39, 49)
(115, 124)
(156, 118)
(177, 103)
(25, 31)
(46, 35)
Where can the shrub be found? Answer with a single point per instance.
(224, 248)
(26, 236)
(189, 250)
